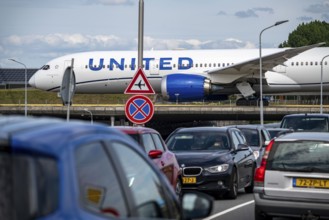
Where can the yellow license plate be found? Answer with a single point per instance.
(311, 183)
(189, 180)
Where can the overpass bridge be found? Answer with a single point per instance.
(174, 113)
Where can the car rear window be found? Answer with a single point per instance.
(251, 135)
(303, 156)
(306, 123)
(198, 141)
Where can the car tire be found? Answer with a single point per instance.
(178, 188)
(250, 188)
(260, 216)
(233, 188)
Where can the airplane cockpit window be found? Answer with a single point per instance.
(45, 67)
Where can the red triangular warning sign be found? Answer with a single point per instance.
(139, 84)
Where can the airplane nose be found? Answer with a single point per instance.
(32, 81)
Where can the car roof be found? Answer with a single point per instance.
(198, 129)
(279, 129)
(248, 126)
(136, 129)
(45, 135)
(307, 114)
(321, 136)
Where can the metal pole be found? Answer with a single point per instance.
(91, 115)
(140, 33)
(321, 90)
(25, 90)
(261, 70)
(69, 91)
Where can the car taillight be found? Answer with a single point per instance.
(260, 171)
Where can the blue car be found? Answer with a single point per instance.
(53, 169)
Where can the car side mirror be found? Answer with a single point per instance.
(242, 147)
(153, 154)
(196, 205)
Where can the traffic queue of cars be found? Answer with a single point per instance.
(53, 169)
(75, 170)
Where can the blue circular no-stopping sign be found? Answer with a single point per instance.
(139, 109)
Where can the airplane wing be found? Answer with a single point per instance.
(241, 70)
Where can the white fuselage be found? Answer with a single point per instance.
(111, 72)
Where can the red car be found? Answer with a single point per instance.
(157, 150)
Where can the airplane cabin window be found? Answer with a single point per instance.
(196, 65)
(86, 66)
(200, 64)
(311, 63)
(205, 65)
(301, 63)
(218, 64)
(306, 63)
(316, 63)
(292, 63)
(296, 63)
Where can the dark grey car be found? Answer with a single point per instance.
(216, 160)
(257, 138)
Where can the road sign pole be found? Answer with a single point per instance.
(140, 33)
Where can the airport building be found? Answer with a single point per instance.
(14, 78)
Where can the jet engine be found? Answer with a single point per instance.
(187, 87)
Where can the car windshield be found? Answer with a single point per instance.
(303, 156)
(198, 141)
(306, 123)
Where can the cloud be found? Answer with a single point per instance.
(221, 13)
(246, 14)
(111, 2)
(319, 8)
(36, 50)
(325, 17)
(253, 12)
(268, 10)
(305, 18)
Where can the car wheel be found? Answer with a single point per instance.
(261, 216)
(250, 188)
(233, 189)
(178, 188)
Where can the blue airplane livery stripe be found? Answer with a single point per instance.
(100, 80)
(165, 63)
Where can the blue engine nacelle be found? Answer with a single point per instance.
(185, 87)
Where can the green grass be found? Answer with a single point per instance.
(34, 96)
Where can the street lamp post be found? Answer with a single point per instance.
(91, 115)
(321, 90)
(261, 71)
(25, 106)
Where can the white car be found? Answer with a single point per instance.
(293, 179)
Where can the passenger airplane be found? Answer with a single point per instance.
(193, 75)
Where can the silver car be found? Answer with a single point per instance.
(293, 179)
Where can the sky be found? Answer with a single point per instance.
(35, 31)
